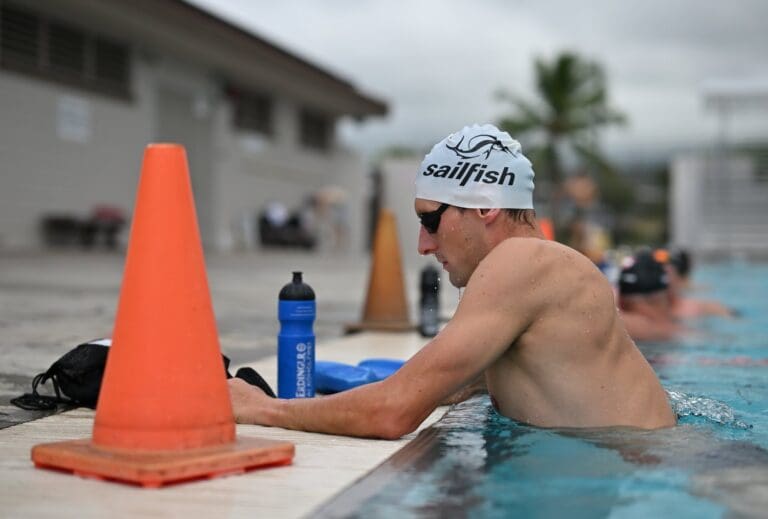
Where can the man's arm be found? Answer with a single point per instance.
(388, 409)
(641, 328)
(716, 308)
(493, 312)
(476, 387)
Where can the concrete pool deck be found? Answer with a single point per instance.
(323, 465)
(50, 302)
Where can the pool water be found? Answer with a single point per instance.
(476, 463)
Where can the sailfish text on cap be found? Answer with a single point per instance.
(476, 146)
(478, 166)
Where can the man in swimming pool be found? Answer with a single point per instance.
(645, 301)
(677, 265)
(537, 320)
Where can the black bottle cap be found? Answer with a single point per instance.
(297, 290)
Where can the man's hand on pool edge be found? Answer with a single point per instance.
(385, 410)
(250, 404)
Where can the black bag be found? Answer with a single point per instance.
(78, 373)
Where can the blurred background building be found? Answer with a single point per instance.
(284, 151)
(85, 85)
(719, 195)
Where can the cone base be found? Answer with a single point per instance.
(379, 326)
(155, 469)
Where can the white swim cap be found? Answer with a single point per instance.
(479, 167)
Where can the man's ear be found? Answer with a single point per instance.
(489, 215)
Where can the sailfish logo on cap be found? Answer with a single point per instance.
(478, 145)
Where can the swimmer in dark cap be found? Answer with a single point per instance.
(678, 266)
(681, 261)
(644, 299)
(537, 321)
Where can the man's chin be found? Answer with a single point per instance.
(457, 281)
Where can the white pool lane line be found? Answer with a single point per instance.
(323, 466)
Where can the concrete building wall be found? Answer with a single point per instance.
(685, 196)
(65, 150)
(719, 206)
(252, 171)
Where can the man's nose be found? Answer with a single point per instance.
(427, 244)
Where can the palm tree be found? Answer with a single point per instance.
(571, 106)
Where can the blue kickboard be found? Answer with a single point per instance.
(332, 377)
(382, 368)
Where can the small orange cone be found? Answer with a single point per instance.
(164, 413)
(386, 308)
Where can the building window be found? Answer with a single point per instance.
(111, 63)
(66, 50)
(252, 111)
(316, 130)
(50, 49)
(19, 37)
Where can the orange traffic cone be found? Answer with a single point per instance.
(386, 308)
(164, 413)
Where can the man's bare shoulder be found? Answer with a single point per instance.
(536, 269)
(515, 270)
(535, 254)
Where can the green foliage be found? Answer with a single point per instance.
(571, 105)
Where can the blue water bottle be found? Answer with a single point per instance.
(296, 340)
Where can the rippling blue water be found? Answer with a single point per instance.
(484, 465)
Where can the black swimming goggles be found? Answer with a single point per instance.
(431, 220)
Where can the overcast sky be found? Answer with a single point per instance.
(438, 63)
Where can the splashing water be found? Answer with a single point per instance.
(713, 410)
